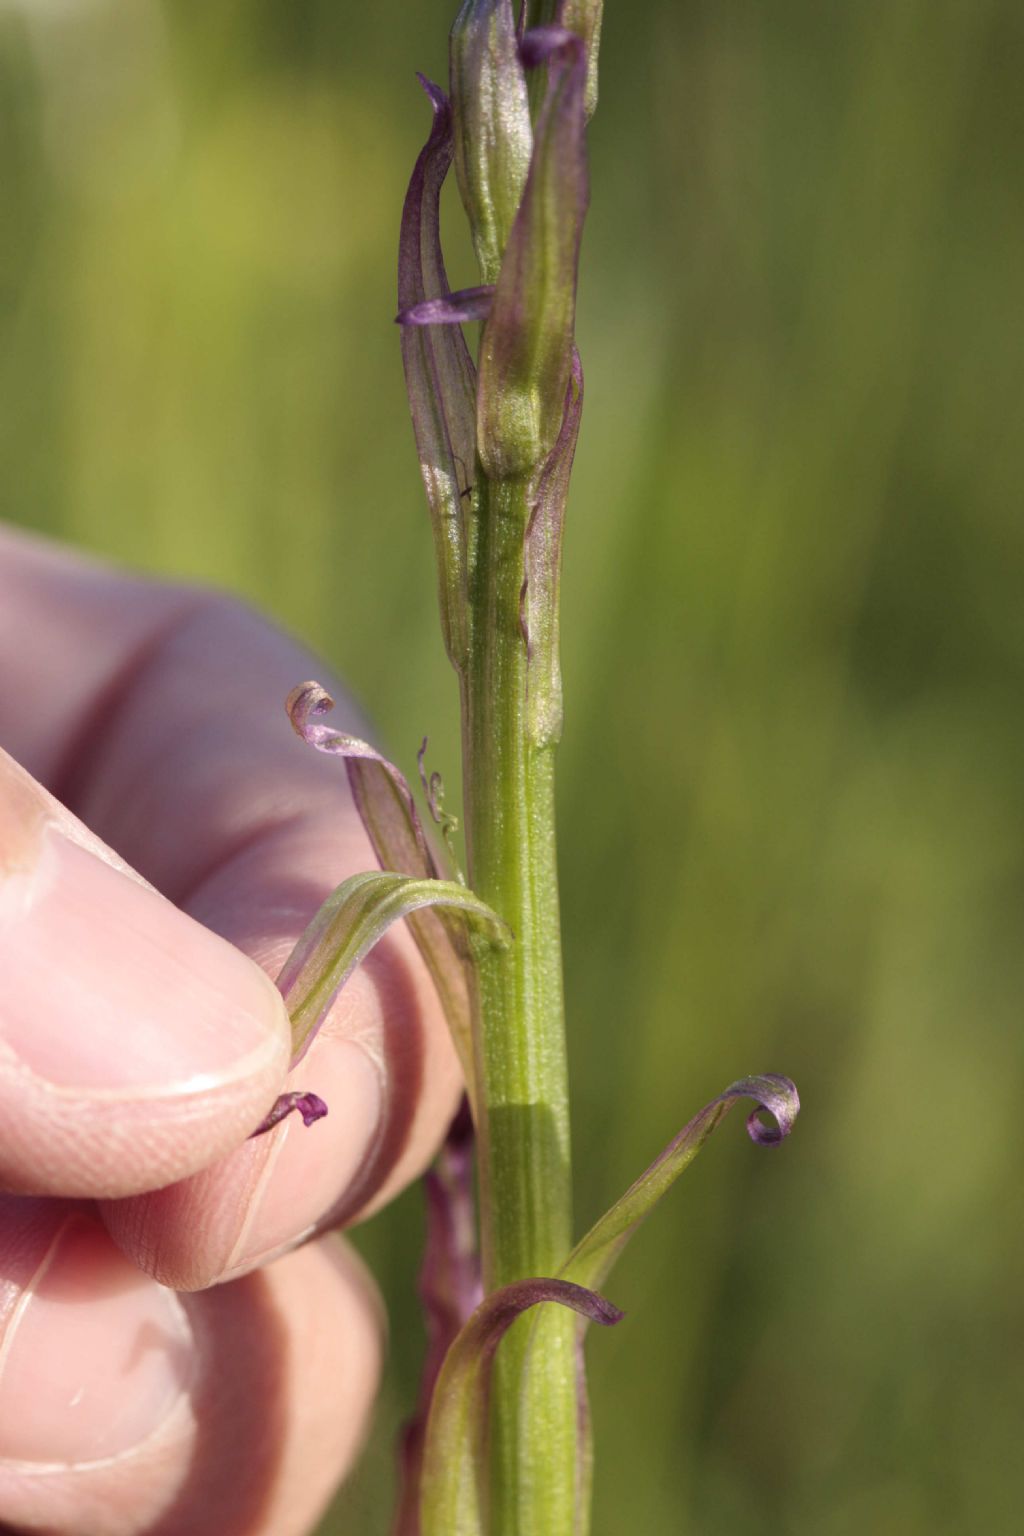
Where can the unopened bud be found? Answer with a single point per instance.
(493, 136)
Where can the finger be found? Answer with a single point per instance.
(135, 1045)
(128, 1411)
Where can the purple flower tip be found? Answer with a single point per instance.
(538, 45)
(438, 99)
(309, 1105)
(458, 308)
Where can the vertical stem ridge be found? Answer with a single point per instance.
(524, 1149)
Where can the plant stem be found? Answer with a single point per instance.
(524, 1151)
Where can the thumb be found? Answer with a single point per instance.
(135, 1045)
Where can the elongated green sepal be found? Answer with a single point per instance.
(456, 1466)
(527, 345)
(347, 927)
(493, 134)
(388, 812)
(584, 18)
(539, 601)
(591, 1260)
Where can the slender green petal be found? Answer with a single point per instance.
(456, 1467)
(493, 135)
(346, 928)
(527, 345)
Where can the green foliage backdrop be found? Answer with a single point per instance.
(791, 810)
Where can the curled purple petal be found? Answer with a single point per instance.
(455, 1471)
(457, 308)
(593, 1257)
(776, 1096)
(381, 792)
(309, 1105)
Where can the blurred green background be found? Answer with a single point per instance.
(791, 794)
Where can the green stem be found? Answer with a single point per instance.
(524, 1152)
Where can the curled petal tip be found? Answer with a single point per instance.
(778, 1097)
(309, 1105)
(438, 99)
(305, 702)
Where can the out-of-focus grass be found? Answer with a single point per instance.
(792, 824)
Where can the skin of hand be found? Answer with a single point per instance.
(184, 1345)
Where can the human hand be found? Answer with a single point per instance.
(138, 1050)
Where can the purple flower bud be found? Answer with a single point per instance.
(439, 375)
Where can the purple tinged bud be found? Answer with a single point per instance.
(527, 346)
(449, 1289)
(493, 134)
(458, 308)
(539, 43)
(439, 375)
(309, 1105)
